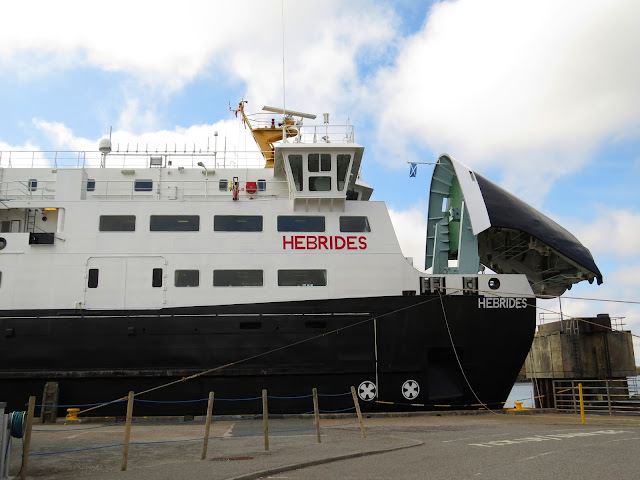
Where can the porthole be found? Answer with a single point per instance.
(3, 243)
(494, 283)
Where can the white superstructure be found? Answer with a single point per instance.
(151, 230)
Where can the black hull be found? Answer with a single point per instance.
(330, 345)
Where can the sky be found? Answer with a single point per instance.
(539, 96)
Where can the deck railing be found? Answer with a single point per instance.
(169, 189)
(169, 155)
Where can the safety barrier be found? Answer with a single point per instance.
(617, 396)
(314, 398)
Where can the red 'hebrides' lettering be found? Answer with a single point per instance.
(326, 242)
(312, 242)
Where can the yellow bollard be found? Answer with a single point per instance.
(72, 414)
(518, 407)
(584, 420)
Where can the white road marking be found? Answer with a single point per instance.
(541, 438)
(536, 456)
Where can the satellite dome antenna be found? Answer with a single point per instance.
(104, 145)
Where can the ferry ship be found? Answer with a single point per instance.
(127, 268)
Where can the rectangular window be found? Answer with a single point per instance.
(319, 162)
(187, 278)
(300, 223)
(354, 224)
(32, 184)
(143, 185)
(174, 223)
(295, 162)
(319, 184)
(117, 223)
(223, 184)
(302, 278)
(343, 168)
(237, 278)
(93, 278)
(351, 195)
(91, 185)
(262, 184)
(156, 277)
(237, 223)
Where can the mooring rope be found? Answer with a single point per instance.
(448, 292)
(259, 355)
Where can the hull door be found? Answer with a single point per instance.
(131, 283)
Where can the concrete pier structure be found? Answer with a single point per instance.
(578, 349)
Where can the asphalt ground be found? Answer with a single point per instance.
(424, 446)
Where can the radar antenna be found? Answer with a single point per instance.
(265, 137)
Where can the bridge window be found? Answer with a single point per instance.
(352, 195)
(354, 224)
(174, 223)
(117, 223)
(237, 223)
(237, 278)
(302, 278)
(187, 278)
(319, 162)
(300, 223)
(343, 168)
(319, 184)
(295, 162)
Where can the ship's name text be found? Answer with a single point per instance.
(323, 242)
(501, 302)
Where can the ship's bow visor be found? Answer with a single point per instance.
(514, 237)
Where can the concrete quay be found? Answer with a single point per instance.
(468, 445)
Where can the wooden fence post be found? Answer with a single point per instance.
(265, 420)
(27, 436)
(355, 401)
(207, 426)
(316, 413)
(127, 432)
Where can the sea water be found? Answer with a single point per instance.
(523, 392)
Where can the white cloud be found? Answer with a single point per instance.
(196, 138)
(411, 229)
(19, 155)
(168, 45)
(616, 296)
(530, 86)
(613, 233)
(62, 136)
